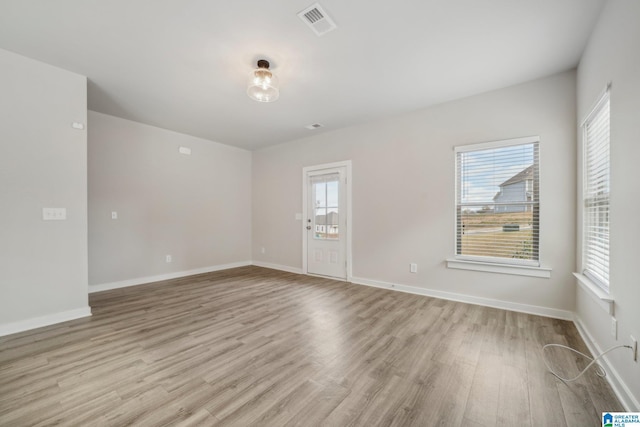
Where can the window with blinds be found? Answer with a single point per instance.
(497, 201)
(596, 186)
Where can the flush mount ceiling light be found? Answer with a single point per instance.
(263, 84)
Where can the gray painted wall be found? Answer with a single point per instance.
(43, 264)
(196, 208)
(613, 55)
(403, 191)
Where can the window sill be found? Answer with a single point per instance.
(518, 270)
(604, 300)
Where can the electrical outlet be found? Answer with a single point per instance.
(413, 267)
(614, 328)
(262, 250)
(634, 348)
(168, 258)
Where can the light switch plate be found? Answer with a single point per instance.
(54, 214)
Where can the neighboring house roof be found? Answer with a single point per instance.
(523, 175)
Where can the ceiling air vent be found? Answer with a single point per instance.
(314, 126)
(317, 19)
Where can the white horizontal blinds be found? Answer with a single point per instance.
(498, 203)
(328, 177)
(596, 194)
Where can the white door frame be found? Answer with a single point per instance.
(305, 214)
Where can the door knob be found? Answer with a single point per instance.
(308, 227)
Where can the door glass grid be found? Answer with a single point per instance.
(326, 211)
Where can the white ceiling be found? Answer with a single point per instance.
(183, 64)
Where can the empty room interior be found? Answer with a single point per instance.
(248, 213)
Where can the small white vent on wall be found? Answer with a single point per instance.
(314, 126)
(317, 19)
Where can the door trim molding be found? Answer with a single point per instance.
(305, 170)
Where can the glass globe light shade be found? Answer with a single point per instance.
(263, 84)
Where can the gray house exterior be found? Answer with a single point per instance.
(518, 188)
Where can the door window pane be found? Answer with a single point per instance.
(325, 190)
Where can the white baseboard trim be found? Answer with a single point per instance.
(39, 322)
(175, 275)
(620, 388)
(278, 267)
(487, 302)
(505, 305)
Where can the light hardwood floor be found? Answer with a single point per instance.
(252, 346)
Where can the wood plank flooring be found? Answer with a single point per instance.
(258, 347)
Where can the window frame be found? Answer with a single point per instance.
(496, 264)
(601, 283)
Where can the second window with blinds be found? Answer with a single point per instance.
(596, 188)
(498, 203)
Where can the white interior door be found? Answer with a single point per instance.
(326, 223)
